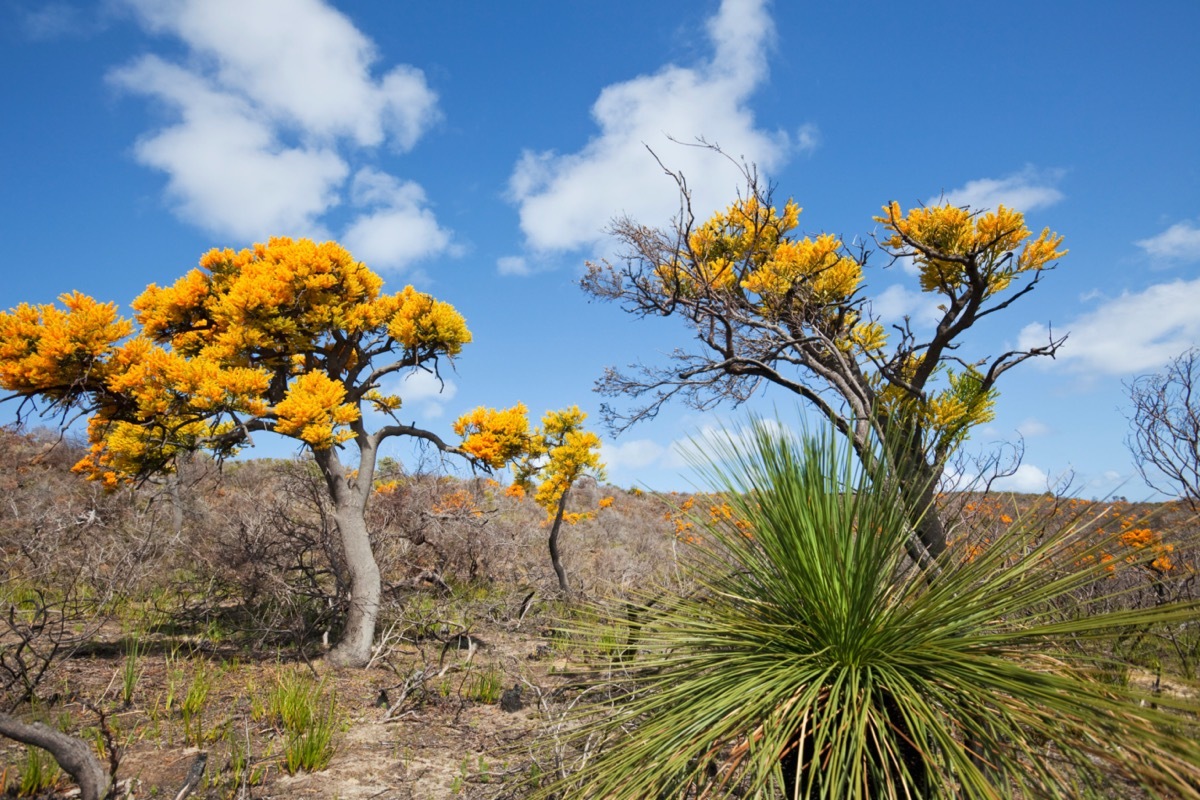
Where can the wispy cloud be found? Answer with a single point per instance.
(1027, 190)
(567, 200)
(59, 20)
(267, 114)
(625, 455)
(423, 393)
(1031, 428)
(1180, 242)
(1134, 332)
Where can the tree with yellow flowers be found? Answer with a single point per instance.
(546, 461)
(769, 307)
(293, 337)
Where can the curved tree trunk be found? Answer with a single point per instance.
(72, 754)
(555, 558)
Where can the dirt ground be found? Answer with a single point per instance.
(408, 725)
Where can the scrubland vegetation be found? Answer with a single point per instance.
(181, 625)
(821, 624)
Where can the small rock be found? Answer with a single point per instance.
(510, 701)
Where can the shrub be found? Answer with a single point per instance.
(816, 659)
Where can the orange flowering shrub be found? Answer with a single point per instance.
(719, 512)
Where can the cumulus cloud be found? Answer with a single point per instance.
(711, 441)
(1027, 190)
(631, 454)
(1135, 332)
(514, 265)
(1027, 479)
(567, 200)
(399, 228)
(1180, 242)
(808, 138)
(268, 110)
(301, 63)
(226, 168)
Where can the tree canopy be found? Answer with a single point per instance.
(768, 306)
(292, 336)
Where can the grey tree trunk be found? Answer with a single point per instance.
(349, 494)
(354, 648)
(74, 755)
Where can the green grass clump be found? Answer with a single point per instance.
(485, 685)
(307, 714)
(39, 773)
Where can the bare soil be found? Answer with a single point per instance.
(433, 741)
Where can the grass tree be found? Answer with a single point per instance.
(814, 659)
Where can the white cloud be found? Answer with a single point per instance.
(1025, 191)
(567, 200)
(631, 454)
(57, 20)
(1027, 479)
(513, 265)
(269, 108)
(226, 168)
(1180, 242)
(301, 63)
(422, 391)
(399, 229)
(896, 302)
(808, 138)
(712, 441)
(1135, 332)
(1033, 427)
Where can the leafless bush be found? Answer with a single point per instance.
(69, 554)
(1165, 441)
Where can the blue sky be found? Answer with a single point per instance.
(479, 150)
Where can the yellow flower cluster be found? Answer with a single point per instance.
(746, 251)
(314, 409)
(422, 323)
(457, 503)
(985, 241)
(948, 414)
(571, 454)
(807, 270)
(726, 247)
(224, 339)
(1145, 538)
(162, 382)
(276, 302)
(493, 436)
(48, 350)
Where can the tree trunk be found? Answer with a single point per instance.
(354, 647)
(555, 559)
(349, 492)
(923, 506)
(72, 754)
